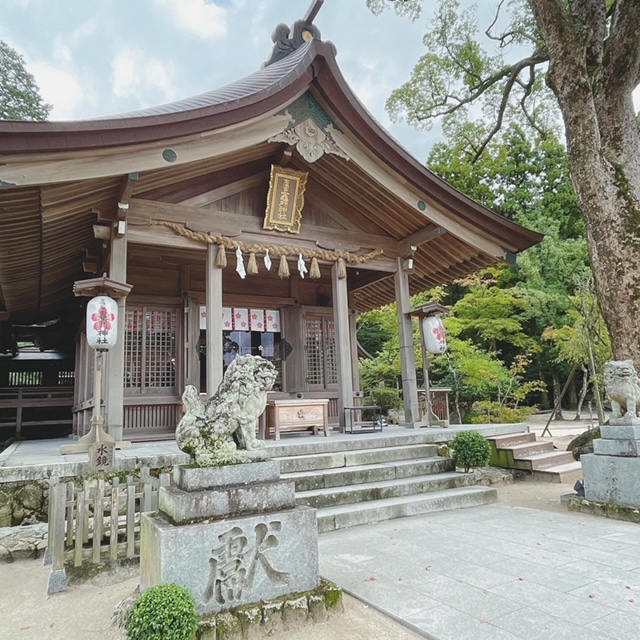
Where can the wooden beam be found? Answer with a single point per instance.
(433, 213)
(129, 184)
(313, 10)
(22, 170)
(419, 237)
(227, 222)
(163, 237)
(100, 232)
(225, 191)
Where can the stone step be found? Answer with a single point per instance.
(352, 515)
(335, 460)
(527, 449)
(393, 436)
(569, 472)
(301, 445)
(511, 439)
(382, 490)
(359, 474)
(543, 460)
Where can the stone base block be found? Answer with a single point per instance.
(620, 432)
(625, 420)
(611, 479)
(191, 506)
(229, 563)
(627, 448)
(199, 478)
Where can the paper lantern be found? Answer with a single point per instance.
(434, 335)
(102, 323)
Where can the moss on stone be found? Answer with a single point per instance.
(317, 608)
(332, 595)
(629, 513)
(228, 627)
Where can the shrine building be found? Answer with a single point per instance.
(259, 218)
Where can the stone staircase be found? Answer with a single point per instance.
(359, 481)
(539, 459)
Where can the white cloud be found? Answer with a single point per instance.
(138, 75)
(62, 51)
(84, 31)
(59, 88)
(198, 17)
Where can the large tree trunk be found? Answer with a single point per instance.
(593, 81)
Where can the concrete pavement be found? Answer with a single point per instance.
(495, 573)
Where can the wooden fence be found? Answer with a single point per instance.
(98, 522)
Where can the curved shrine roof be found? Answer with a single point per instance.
(310, 68)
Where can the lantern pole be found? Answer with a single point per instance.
(428, 417)
(426, 362)
(97, 434)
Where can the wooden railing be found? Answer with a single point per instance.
(16, 399)
(96, 523)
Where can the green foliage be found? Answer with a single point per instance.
(471, 449)
(386, 397)
(163, 612)
(410, 8)
(462, 68)
(19, 95)
(374, 330)
(489, 411)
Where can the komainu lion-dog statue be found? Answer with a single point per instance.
(623, 388)
(214, 432)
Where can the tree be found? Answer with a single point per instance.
(587, 52)
(19, 94)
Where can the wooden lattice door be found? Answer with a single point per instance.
(321, 370)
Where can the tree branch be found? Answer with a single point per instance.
(506, 38)
(509, 71)
(621, 63)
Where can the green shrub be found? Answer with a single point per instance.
(164, 612)
(488, 411)
(386, 397)
(471, 449)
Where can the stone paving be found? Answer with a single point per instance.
(495, 573)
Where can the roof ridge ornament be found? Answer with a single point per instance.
(286, 40)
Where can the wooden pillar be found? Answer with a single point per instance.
(214, 321)
(355, 369)
(192, 343)
(114, 396)
(343, 342)
(407, 354)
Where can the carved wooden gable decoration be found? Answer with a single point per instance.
(310, 130)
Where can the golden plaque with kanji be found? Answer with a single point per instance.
(285, 200)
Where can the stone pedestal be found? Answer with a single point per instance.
(612, 471)
(231, 535)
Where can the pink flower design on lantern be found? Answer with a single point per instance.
(439, 333)
(103, 319)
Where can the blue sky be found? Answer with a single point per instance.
(93, 58)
